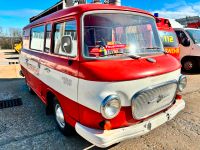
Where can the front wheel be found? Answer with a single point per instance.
(64, 127)
(189, 65)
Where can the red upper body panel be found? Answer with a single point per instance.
(127, 69)
(80, 9)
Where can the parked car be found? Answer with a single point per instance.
(189, 40)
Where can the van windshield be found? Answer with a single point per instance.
(195, 35)
(116, 34)
(169, 39)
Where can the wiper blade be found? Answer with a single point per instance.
(134, 56)
(111, 54)
(131, 55)
(151, 48)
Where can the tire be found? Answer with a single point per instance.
(189, 65)
(63, 126)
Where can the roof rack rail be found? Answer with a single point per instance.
(62, 4)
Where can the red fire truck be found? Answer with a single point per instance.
(102, 70)
(168, 37)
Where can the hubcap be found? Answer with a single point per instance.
(59, 116)
(188, 65)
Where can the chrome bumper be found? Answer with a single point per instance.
(103, 138)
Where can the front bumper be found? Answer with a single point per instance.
(103, 138)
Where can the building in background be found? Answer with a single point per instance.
(191, 22)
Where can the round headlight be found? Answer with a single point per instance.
(110, 107)
(182, 83)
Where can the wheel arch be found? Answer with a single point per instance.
(50, 95)
(195, 59)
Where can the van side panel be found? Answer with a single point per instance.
(61, 78)
(48, 72)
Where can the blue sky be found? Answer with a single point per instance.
(16, 13)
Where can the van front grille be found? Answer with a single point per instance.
(151, 101)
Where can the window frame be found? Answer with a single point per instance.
(45, 35)
(53, 36)
(114, 12)
(41, 25)
(186, 35)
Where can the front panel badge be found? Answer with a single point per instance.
(152, 60)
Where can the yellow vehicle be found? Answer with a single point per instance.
(18, 46)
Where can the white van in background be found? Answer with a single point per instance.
(189, 40)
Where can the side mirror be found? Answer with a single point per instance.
(66, 44)
(185, 42)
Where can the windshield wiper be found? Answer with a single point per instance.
(151, 48)
(131, 55)
(134, 56)
(111, 54)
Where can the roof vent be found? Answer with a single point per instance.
(115, 2)
(96, 1)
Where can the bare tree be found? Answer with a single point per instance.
(15, 32)
(1, 31)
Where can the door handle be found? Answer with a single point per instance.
(47, 70)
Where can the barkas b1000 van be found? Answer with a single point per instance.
(102, 70)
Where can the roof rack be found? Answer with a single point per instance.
(62, 4)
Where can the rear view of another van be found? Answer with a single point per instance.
(168, 37)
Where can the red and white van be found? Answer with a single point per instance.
(168, 37)
(102, 70)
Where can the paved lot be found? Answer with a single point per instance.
(8, 57)
(27, 126)
(9, 67)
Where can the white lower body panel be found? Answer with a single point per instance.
(103, 138)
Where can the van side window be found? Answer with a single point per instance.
(37, 38)
(26, 35)
(47, 38)
(65, 29)
(180, 35)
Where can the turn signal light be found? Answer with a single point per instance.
(107, 125)
(178, 97)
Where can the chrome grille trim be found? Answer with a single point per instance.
(152, 90)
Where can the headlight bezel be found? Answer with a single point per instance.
(107, 101)
(181, 79)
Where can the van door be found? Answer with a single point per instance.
(185, 50)
(34, 57)
(59, 69)
(194, 36)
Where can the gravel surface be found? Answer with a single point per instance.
(27, 126)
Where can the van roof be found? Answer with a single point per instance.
(186, 28)
(79, 9)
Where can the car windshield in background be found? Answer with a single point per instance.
(195, 35)
(169, 39)
(118, 34)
